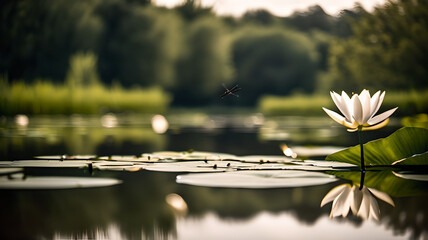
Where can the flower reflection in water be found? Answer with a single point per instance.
(177, 203)
(159, 124)
(361, 201)
(21, 120)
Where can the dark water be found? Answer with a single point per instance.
(136, 209)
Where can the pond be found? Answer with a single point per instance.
(138, 201)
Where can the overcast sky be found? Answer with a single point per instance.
(276, 7)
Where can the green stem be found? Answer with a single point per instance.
(363, 167)
(363, 174)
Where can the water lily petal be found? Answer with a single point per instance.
(342, 203)
(352, 129)
(379, 103)
(374, 209)
(377, 119)
(382, 196)
(348, 106)
(364, 210)
(351, 125)
(377, 126)
(374, 103)
(358, 110)
(341, 105)
(358, 197)
(330, 196)
(335, 116)
(365, 103)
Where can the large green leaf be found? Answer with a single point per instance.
(387, 181)
(401, 145)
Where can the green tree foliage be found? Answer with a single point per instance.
(83, 70)
(388, 49)
(205, 63)
(313, 18)
(260, 16)
(39, 36)
(342, 26)
(192, 9)
(190, 51)
(273, 61)
(149, 42)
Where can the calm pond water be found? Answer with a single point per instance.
(137, 208)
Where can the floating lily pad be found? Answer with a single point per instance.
(265, 159)
(256, 179)
(195, 155)
(121, 168)
(56, 182)
(118, 166)
(195, 166)
(45, 163)
(401, 145)
(322, 163)
(108, 163)
(60, 157)
(282, 166)
(133, 158)
(10, 170)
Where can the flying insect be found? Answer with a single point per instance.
(231, 91)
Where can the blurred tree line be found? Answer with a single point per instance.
(190, 52)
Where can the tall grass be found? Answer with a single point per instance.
(44, 97)
(409, 103)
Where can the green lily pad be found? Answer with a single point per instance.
(256, 179)
(132, 158)
(194, 155)
(196, 166)
(60, 157)
(55, 182)
(265, 159)
(401, 145)
(45, 163)
(282, 166)
(116, 166)
(323, 163)
(120, 168)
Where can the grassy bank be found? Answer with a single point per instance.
(409, 103)
(43, 97)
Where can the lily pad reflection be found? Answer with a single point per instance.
(256, 179)
(412, 176)
(55, 182)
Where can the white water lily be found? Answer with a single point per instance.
(361, 202)
(358, 111)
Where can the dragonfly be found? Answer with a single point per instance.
(231, 91)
